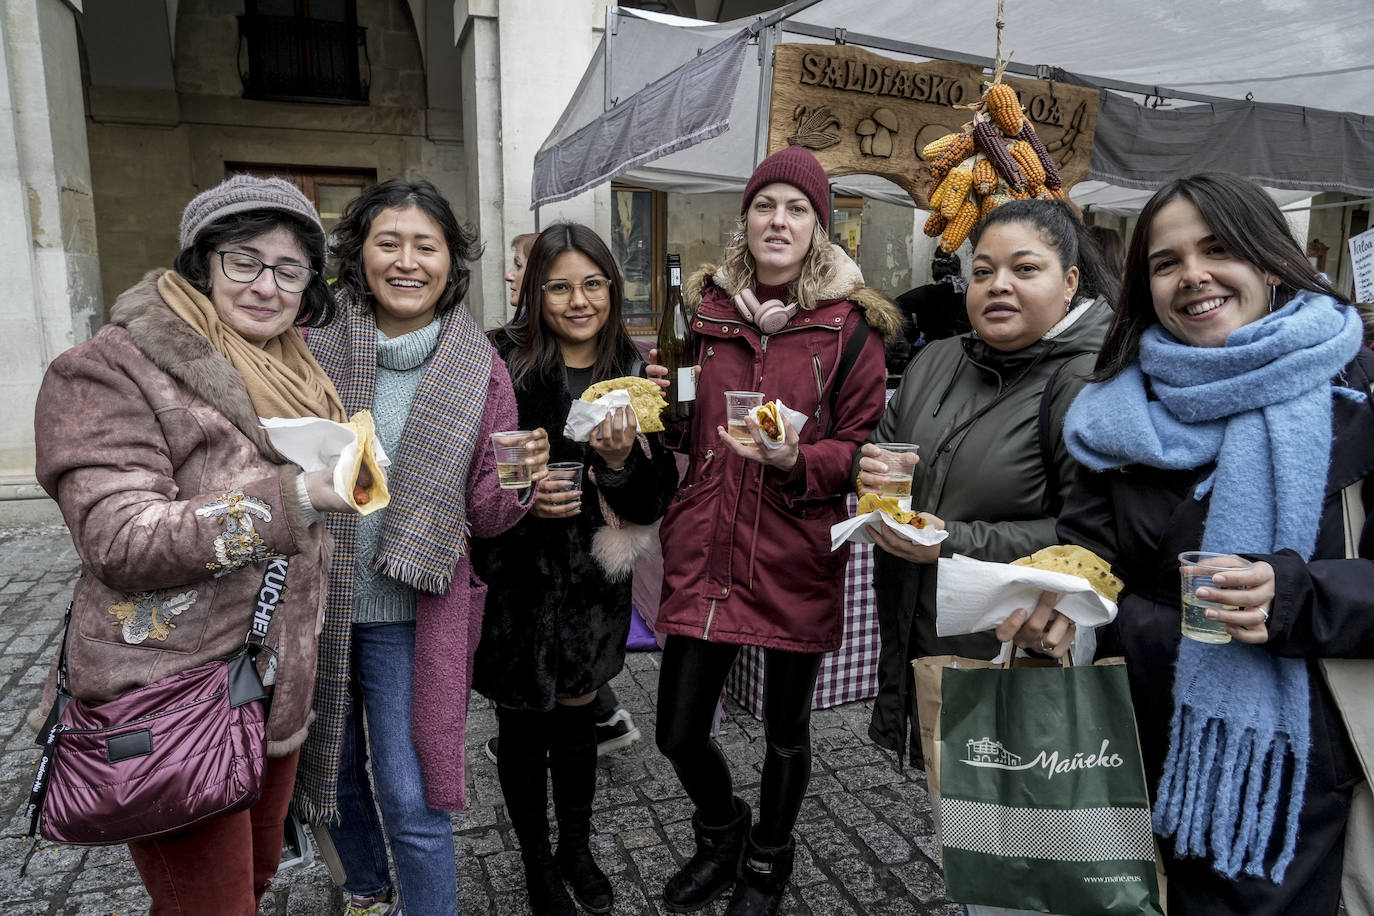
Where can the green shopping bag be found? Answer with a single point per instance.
(1043, 802)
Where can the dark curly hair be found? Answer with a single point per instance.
(353, 229)
(198, 262)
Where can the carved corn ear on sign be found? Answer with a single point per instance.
(862, 113)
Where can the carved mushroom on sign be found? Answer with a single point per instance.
(875, 133)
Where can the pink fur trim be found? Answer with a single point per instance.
(617, 550)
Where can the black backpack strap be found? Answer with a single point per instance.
(1047, 442)
(852, 349)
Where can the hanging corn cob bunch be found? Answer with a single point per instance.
(996, 158)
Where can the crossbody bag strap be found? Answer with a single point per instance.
(1352, 507)
(852, 349)
(244, 684)
(1353, 515)
(1351, 680)
(1046, 436)
(273, 587)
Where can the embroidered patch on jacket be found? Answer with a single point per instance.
(239, 544)
(148, 615)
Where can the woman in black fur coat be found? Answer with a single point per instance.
(558, 606)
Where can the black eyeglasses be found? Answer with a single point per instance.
(242, 267)
(560, 291)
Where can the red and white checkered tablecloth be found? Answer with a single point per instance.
(851, 671)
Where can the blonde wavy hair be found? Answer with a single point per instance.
(819, 269)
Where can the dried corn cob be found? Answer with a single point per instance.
(935, 225)
(935, 195)
(986, 205)
(955, 190)
(957, 151)
(1004, 107)
(1028, 134)
(989, 143)
(935, 147)
(959, 227)
(1024, 154)
(984, 175)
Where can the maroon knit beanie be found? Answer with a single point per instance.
(799, 168)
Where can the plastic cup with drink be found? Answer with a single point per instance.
(509, 448)
(1196, 568)
(737, 407)
(564, 476)
(900, 458)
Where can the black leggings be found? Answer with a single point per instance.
(689, 686)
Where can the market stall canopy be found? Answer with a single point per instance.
(675, 106)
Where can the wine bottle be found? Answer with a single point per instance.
(674, 347)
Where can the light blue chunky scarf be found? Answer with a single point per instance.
(1258, 408)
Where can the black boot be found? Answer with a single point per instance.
(762, 879)
(520, 766)
(712, 867)
(572, 764)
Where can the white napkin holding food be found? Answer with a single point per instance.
(583, 417)
(857, 530)
(974, 596)
(794, 417)
(315, 443)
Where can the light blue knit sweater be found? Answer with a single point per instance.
(401, 362)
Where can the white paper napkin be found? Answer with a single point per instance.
(795, 417)
(315, 443)
(583, 417)
(856, 529)
(973, 596)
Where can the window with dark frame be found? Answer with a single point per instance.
(303, 51)
(638, 230)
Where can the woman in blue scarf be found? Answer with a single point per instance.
(1228, 412)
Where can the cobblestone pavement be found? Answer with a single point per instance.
(865, 843)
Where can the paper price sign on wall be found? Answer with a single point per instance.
(1362, 265)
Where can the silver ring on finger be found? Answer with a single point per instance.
(1265, 612)
(1046, 649)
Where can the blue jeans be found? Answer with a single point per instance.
(421, 837)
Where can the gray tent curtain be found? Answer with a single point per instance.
(681, 109)
(1279, 146)
(679, 132)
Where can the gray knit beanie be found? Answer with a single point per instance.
(241, 193)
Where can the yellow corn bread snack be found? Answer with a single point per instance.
(645, 397)
(872, 502)
(374, 496)
(1076, 561)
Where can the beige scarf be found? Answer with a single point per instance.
(282, 377)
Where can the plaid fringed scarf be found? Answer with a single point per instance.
(425, 532)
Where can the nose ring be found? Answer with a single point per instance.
(1196, 289)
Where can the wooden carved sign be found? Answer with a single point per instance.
(864, 114)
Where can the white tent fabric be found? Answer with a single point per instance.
(1303, 52)
(1313, 53)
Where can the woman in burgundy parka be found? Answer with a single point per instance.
(746, 541)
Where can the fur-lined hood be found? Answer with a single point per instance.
(848, 283)
(176, 349)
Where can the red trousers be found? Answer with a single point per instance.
(224, 866)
